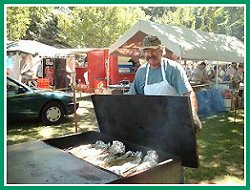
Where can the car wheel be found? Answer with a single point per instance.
(52, 113)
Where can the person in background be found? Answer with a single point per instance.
(86, 74)
(222, 71)
(188, 69)
(200, 74)
(231, 72)
(213, 74)
(241, 83)
(232, 76)
(8, 71)
(135, 63)
(39, 71)
(241, 72)
(9, 63)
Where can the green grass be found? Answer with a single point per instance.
(31, 131)
(220, 149)
(220, 143)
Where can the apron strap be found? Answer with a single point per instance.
(163, 69)
(146, 80)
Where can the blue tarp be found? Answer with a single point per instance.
(209, 102)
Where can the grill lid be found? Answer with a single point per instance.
(160, 122)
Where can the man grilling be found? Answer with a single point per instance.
(161, 76)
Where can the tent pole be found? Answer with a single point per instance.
(180, 60)
(73, 75)
(107, 69)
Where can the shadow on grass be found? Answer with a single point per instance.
(220, 149)
(30, 130)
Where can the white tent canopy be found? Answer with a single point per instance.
(32, 53)
(183, 42)
(34, 47)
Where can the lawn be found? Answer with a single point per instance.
(220, 143)
(221, 150)
(23, 131)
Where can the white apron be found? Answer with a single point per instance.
(161, 88)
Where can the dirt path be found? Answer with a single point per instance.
(86, 119)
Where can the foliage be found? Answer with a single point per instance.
(101, 26)
(181, 17)
(155, 13)
(32, 23)
(43, 25)
(18, 21)
(96, 26)
(222, 20)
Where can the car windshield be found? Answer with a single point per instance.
(14, 87)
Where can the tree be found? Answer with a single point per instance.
(18, 21)
(32, 23)
(233, 21)
(222, 20)
(101, 26)
(155, 13)
(43, 25)
(96, 26)
(181, 16)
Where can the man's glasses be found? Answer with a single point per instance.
(150, 51)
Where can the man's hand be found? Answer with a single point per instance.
(194, 105)
(197, 122)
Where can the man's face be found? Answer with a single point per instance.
(201, 66)
(234, 65)
(153, 56)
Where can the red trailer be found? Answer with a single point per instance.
(80, 75)
(104, 70)
(97, 65)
